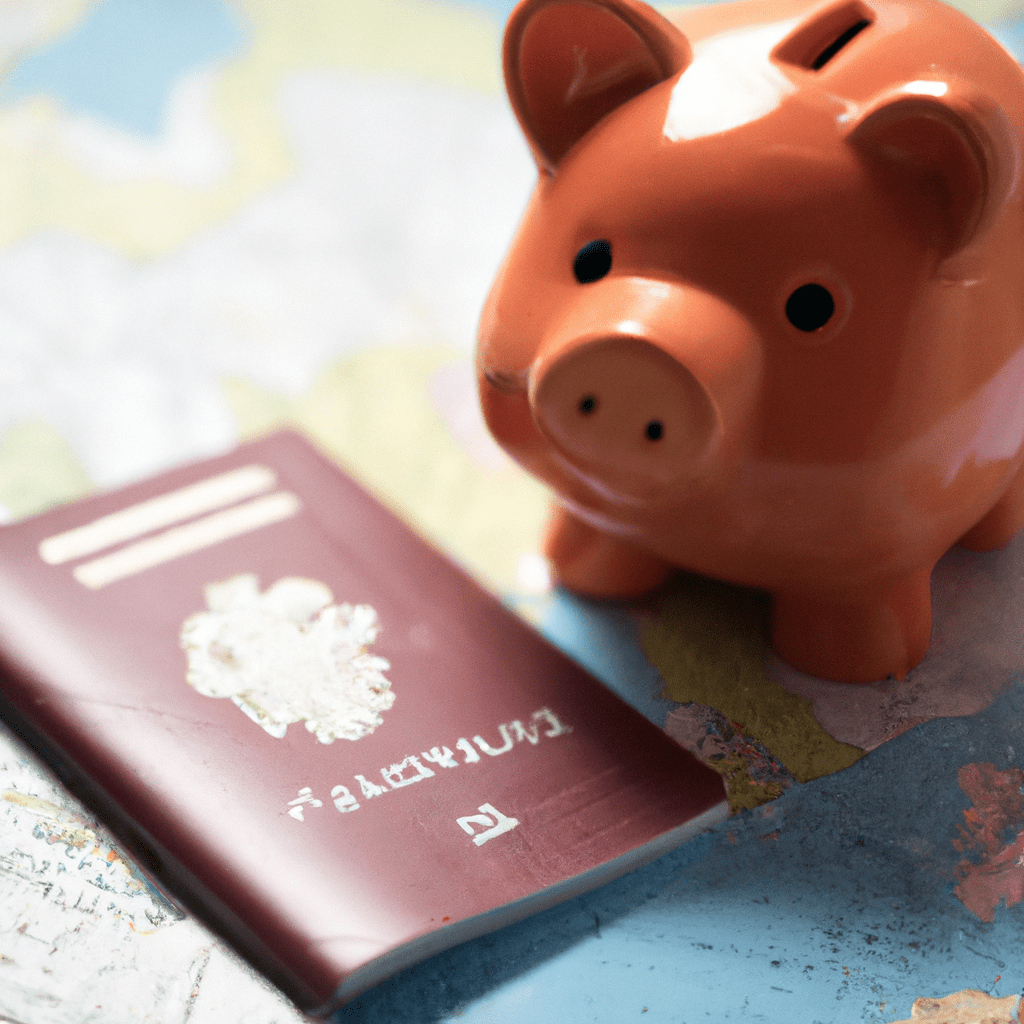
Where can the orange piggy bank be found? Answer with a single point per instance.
(764, 316)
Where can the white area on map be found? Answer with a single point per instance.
(533, 573)
(192, 150)
(405, 198)
(289, 655)
(26, 24)
(91, 941)
(453, 390)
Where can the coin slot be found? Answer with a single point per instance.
(814, 45)
(837, 44)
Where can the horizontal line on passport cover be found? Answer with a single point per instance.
(184, 540)
(173, 507)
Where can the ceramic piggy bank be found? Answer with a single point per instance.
(764, 316)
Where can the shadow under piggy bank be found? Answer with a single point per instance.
(977, 649)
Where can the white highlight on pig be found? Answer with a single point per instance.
(923, 87)
(997, 412)
(289, 655)
(731, 82)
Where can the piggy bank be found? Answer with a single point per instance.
(763, 317)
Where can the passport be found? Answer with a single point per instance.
(312, 729)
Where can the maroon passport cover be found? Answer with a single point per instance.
(343, 772)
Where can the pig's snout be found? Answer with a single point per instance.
(628, 416)
(644, 386)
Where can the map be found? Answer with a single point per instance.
(218, 217)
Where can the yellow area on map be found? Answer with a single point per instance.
(708, 640)
(990, 11)
(42, 186)
(985, 11)
(437, 42)
(372, 412)
(38, 469)
(62, 16)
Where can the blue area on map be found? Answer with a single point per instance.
(502, 8)
(118, 65)
(603, 637)
(1011, 35)
(832, 905)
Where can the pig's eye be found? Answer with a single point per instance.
(593, 261)
(811, 306)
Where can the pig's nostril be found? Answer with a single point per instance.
(810, 307)
(593, 261)
(654, 430)
(588, 403)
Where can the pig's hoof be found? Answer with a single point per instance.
(594, 564)
(852, 641)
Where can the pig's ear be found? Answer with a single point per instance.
(570, 62)
(950, 147)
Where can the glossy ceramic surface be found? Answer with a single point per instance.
(762, 318)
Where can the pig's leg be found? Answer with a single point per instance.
(860, 638)
(1002, 522)
(596, 564)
